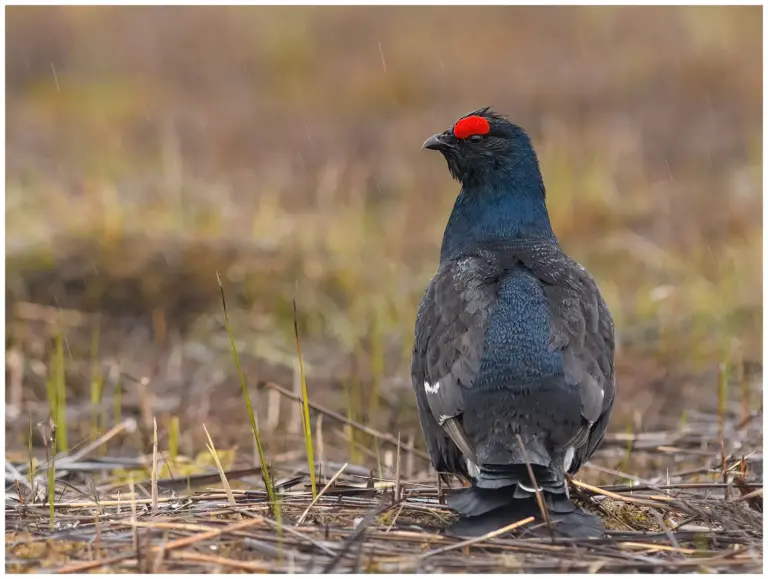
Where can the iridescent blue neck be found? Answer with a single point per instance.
(506, 206)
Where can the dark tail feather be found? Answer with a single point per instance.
(475, 501)
(494, 510)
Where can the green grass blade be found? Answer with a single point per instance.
(305, 405)
(50, 387)
(353, 452)
(254, 425)
(31, 472)
(52, 477)
(97, 384)
(61, 394)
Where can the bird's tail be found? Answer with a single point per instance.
(485, 510)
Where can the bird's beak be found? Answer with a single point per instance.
(436, 142)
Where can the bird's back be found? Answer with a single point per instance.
(520, 388)
(517, 338)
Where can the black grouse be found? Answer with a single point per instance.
(513, 341)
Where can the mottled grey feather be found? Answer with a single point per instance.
(449, 344)
(450, 328)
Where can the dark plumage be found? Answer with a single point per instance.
(512, 339)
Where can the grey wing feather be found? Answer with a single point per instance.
(453, 427)
(450, 330)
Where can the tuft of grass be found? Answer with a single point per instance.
(254, 425)
(305, 408)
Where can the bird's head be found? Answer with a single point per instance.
(482, 145)
(502, 195)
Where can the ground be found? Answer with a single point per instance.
(150, 149)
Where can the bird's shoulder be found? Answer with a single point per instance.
(455, 307)
(465, 290)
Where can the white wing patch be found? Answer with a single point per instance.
(473, 469)
(568, 458)
(527, 488)
(431, 389)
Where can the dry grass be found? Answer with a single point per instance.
(149, 148)
(683, 521)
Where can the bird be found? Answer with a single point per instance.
(513, 356)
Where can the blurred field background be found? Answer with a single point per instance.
(149, 148)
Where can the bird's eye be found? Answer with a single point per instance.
(476, 138)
